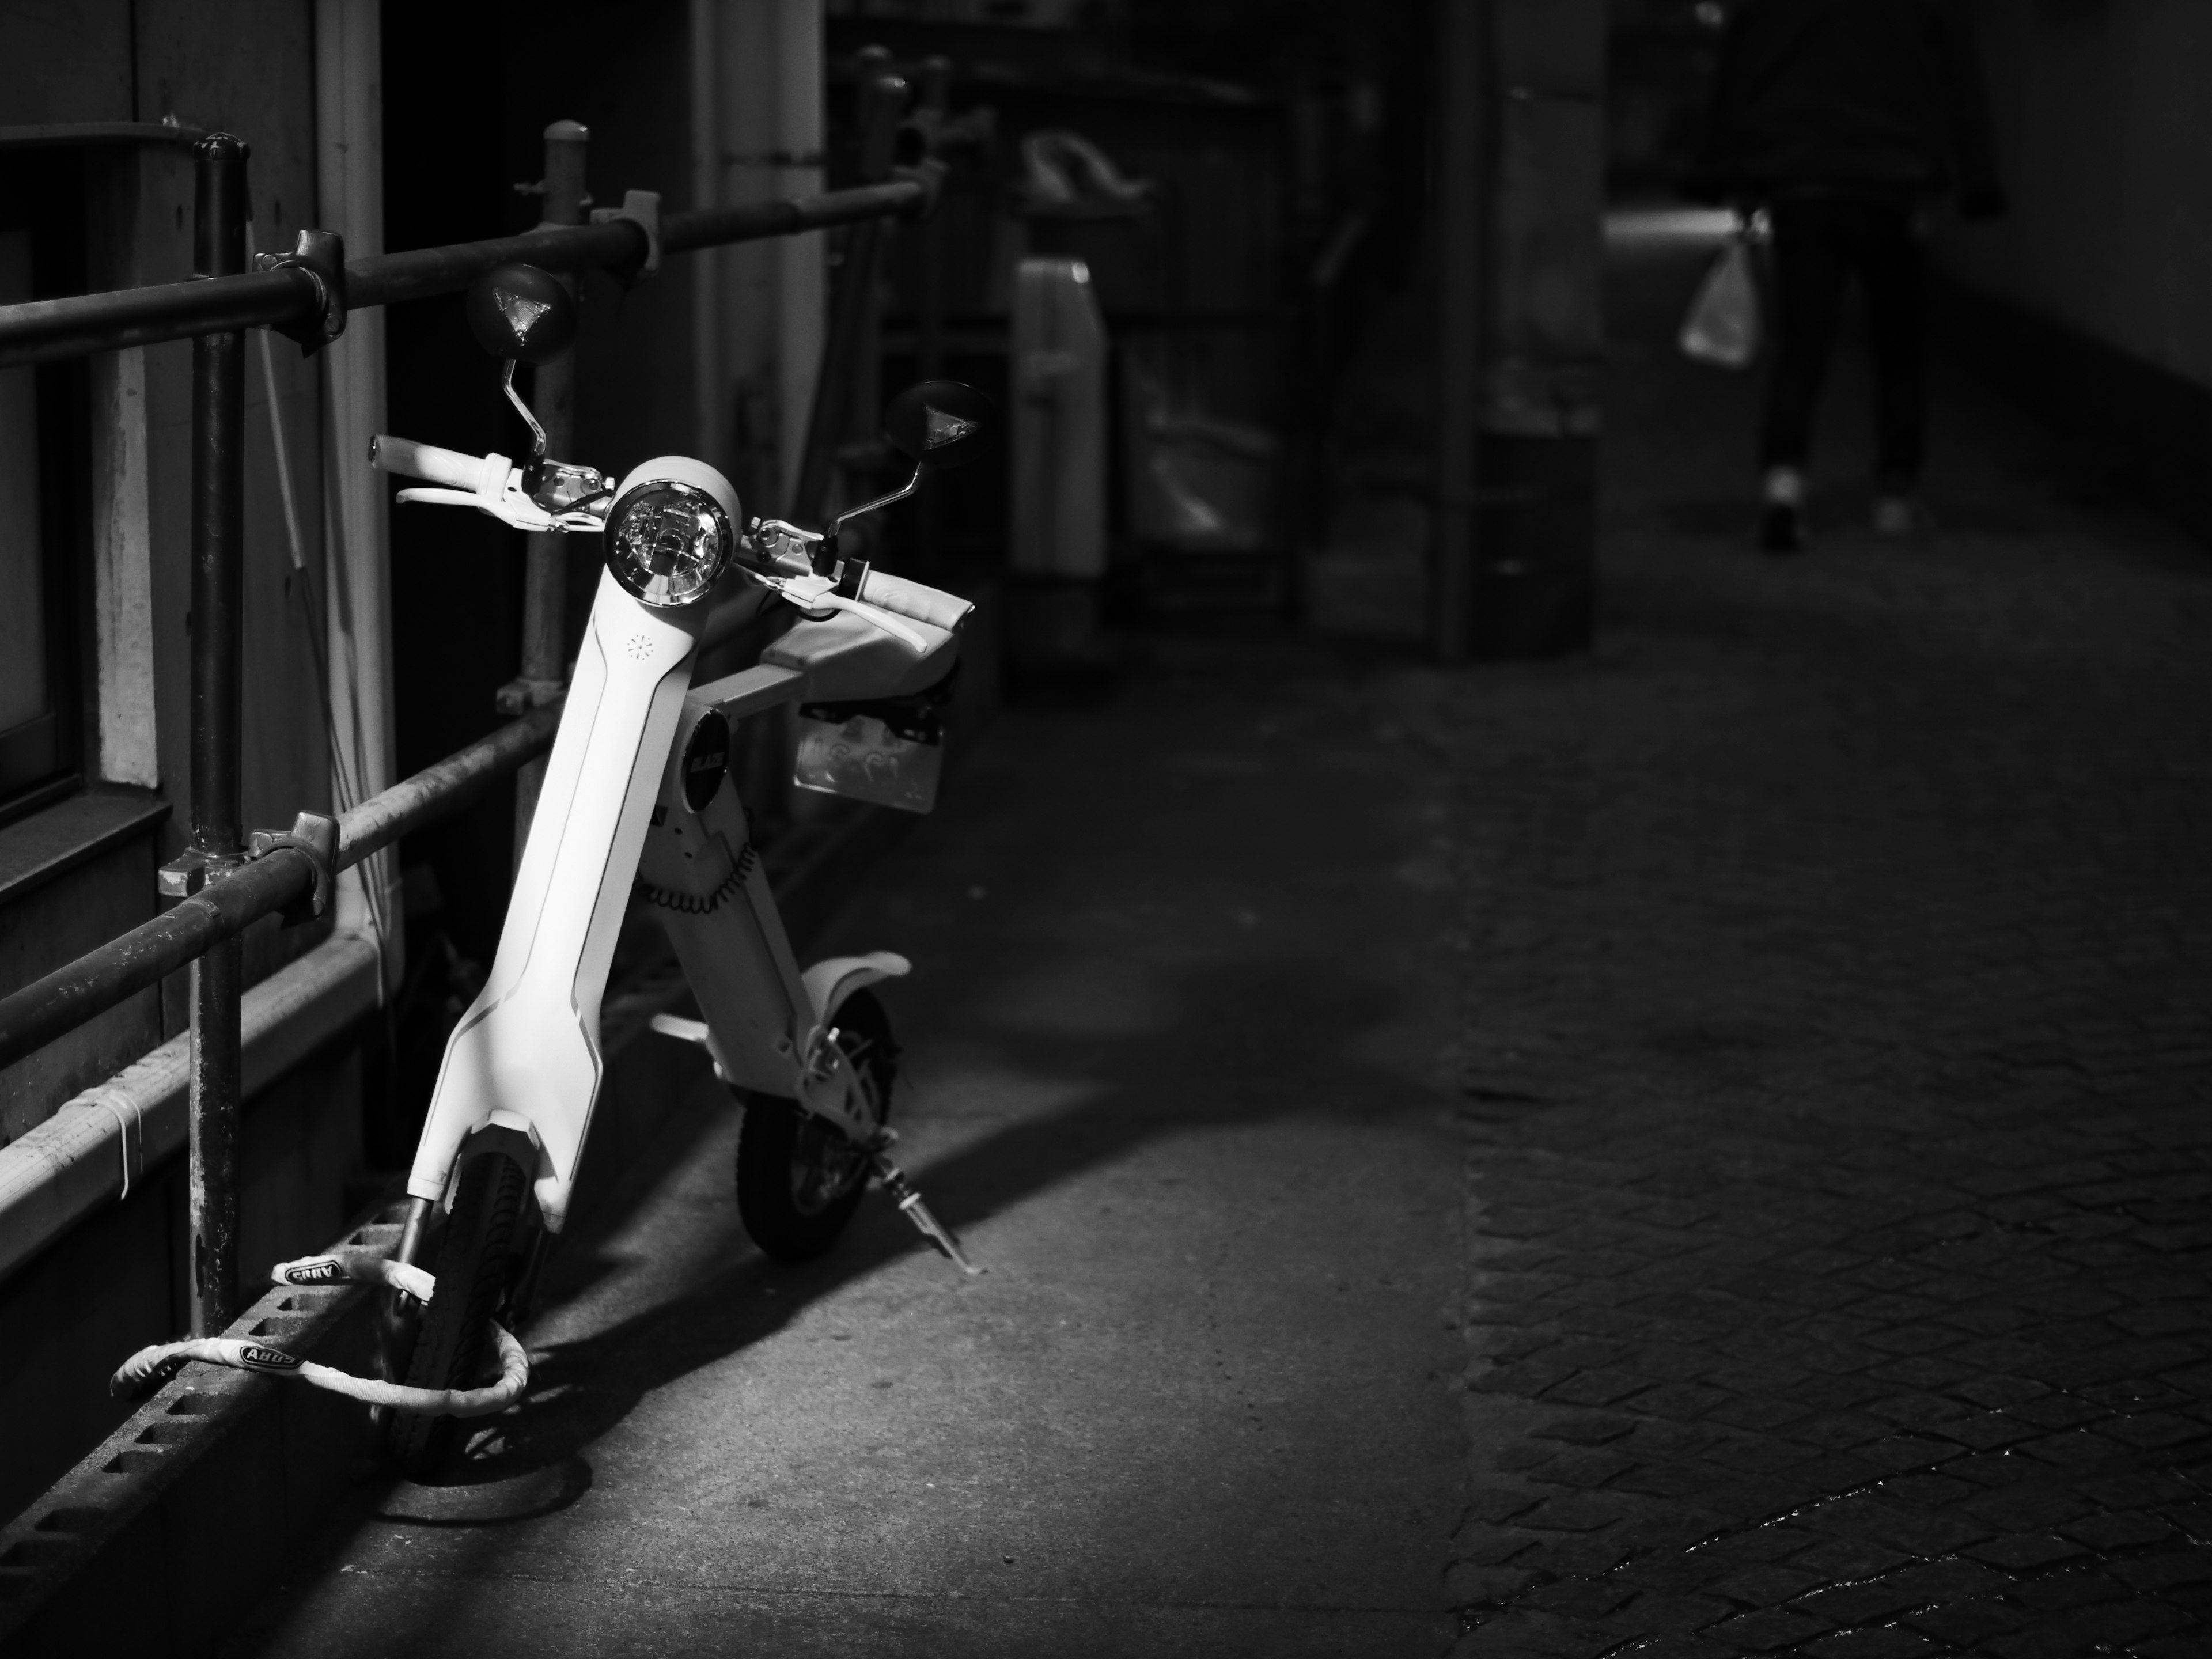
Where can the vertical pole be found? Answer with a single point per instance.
(1462, 212)
(217, 534)
(800, 265)
(1535, 583)
(936, 99)
(553, 399)
(879, 101)
(768, 298)
(929, 304)
(711, 388)
(350, 191)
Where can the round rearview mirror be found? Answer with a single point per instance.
(940, 422)
(522, 313)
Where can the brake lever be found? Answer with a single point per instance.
(513, 504)
(789, 552)
(816, 594)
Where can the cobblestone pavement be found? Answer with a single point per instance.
(1836, 1071)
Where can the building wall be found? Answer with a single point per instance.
(121, 1279)
(246, 66)
(65, 62)
(81, 871)
(2105, 138)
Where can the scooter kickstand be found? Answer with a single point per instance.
(896, 1184)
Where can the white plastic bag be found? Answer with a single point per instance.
(1722, 327)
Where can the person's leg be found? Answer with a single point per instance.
(1809, 274)
(1893, 268)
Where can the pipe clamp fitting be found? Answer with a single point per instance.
(317, 836)
(321, 254)
(642, 209)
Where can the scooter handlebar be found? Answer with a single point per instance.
(912, 599)
(433, 466)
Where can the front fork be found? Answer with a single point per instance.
(399, 1314)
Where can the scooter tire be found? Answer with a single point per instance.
(793, 1213)
(475, 1265)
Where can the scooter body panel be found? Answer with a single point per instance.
(529, 1046)
(705, 881)
(763, 1018)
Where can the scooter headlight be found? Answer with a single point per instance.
(667, 543)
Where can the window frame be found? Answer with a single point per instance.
(44, 759)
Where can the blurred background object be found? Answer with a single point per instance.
(1056, 552)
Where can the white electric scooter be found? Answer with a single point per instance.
(637, 800)
(637, 797)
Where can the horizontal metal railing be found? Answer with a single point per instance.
(43, 331)
(96, 982)
(101, 978)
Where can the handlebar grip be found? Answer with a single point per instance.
(911, 599)
(433, 466)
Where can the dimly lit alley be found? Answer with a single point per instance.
(1121, 829)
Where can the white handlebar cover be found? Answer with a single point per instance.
(905, 598)
(438, 466)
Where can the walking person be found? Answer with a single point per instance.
(1847, 121)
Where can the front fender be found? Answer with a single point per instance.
(828, 982)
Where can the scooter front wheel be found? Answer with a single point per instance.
(799, 1177)
(476, 1264)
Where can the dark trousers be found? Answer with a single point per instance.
(1819, 243)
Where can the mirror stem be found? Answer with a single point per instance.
(537, 432)
(920, 471)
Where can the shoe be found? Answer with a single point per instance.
(1782, 525)
(1899, 518)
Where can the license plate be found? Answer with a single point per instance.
(861, 758)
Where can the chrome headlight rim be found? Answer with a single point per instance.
(646, 585)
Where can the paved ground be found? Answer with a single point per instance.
(1701, 1149)
(1173, 1071)
(1837, 1054)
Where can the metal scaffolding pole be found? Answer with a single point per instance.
(1464, 300)
(112, 973)
(546, 574)
(882, 101)
(47, 330)
(218, 844)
